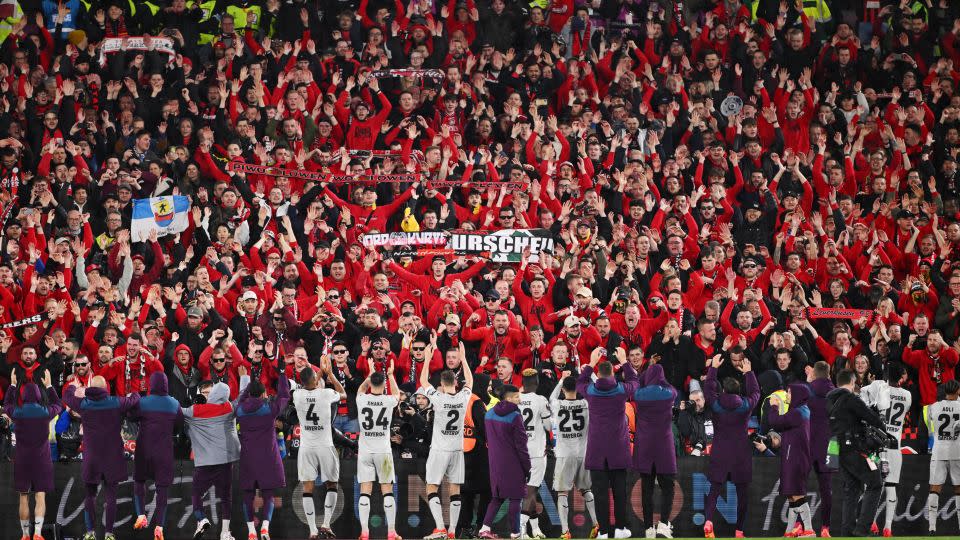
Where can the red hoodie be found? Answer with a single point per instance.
(933, 370)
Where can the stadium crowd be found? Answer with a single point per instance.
(773, 182)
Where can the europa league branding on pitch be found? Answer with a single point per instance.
(766, 515)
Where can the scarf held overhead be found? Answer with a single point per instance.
(840, 313)
(136, 43)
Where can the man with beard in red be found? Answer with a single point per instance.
(496, 341)
(580, 339)
(130, 372)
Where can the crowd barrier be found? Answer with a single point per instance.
(767, 510)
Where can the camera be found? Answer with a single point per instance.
(687, 404)
(757, 437)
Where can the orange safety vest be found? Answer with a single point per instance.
(469, 436)
(631, 413)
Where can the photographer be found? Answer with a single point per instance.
(695, 424)
(849, 419)
(412, 426)
(765, 445)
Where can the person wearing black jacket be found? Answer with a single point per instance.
(677, 355)
(848, 413)
(477, 481)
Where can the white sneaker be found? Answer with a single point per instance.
(651, 533)
(604, 536)
(226, 536)
(202, 526)
(622, 533)
(664, 529)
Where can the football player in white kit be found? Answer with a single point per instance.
(571, 416)
(446, 445)
(374, 454)
(535, 411)
(892, 402)
(317, 456)
(944, 422)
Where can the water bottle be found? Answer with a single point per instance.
(282, 445)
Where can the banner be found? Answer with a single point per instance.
(505, 246)
(511, 186)
(435, 74)
(500, 246)
(314, 176)
(766, 514)
(166, 215)
(840, 313)
(136, 43)
(405, 239)
(33, 319)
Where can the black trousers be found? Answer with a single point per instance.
(476, 486)
(603, 482)
(862, 489)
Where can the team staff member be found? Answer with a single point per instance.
(860, 478)
(654, 455)
(476, 489)
(608, 440)
(32, 466)
(260, 464)
(730, 456)
(795, 462)
(820, 388)
(212, 426)
(153, 459)
(100, 417)
(509, 460)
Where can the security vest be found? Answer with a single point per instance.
(206, 8)
(919, 8)
(469, 433)
(241, 14)
(154, 9)
(818, 10)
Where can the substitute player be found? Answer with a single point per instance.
(374, 456)
(32, 468)
(157, 413)
(446, 446)
(944, 420)
(892, 402)
(317, 457)
(535, 411)
(571, 417)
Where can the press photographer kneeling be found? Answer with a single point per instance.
(862, 437)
